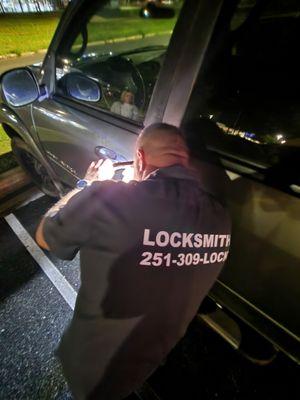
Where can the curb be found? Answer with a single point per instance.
(26, 54)
(18, 199)
(12, 180)
(107, 41)
(127, 38)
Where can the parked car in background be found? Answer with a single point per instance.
(232, 62)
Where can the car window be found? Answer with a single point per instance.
(119, 49)
(243, 9)
(249, 86)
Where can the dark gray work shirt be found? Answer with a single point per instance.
(149, 253)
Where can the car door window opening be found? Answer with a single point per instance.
(124, 62)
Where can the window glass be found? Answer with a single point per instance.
(121, 49)
(242, 12)
(250, 87)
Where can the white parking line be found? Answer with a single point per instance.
(58, 280)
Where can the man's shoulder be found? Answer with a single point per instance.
(110, 188)
(97, 186)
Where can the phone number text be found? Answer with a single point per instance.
(181, 259)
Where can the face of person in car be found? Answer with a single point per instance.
(128, 98)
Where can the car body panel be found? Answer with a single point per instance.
(266, 271)
(21, 123)
(70, 137)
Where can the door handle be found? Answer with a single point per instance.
(295, 188)
(104, 152)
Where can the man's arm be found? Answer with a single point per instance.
(97, 171)
(39, 236)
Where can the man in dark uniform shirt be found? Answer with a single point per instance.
(150, 250)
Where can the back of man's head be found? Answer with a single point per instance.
(162, 145)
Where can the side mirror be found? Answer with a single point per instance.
(81, 87)
(153, 9)
(19, 87)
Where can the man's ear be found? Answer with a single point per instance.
(141, 160)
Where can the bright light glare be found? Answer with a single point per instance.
(106, 170)
(128, 174)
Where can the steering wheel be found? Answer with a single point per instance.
(121, 74)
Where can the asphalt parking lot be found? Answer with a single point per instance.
(37, 293)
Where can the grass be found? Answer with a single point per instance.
(30, 33)
(124, 27)
(19, 34)
(7, 160)
(4, 142)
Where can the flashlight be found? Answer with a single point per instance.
(105, 153)
(121, 170)
(121, 164)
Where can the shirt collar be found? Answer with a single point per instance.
(174, 171)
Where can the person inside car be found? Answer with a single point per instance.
(126, 106)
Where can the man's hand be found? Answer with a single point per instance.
(97, 171)
(91, 174)
(100, 171)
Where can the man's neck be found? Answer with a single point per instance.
(148, 170)
(151, 168)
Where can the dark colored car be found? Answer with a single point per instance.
(108, 73)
